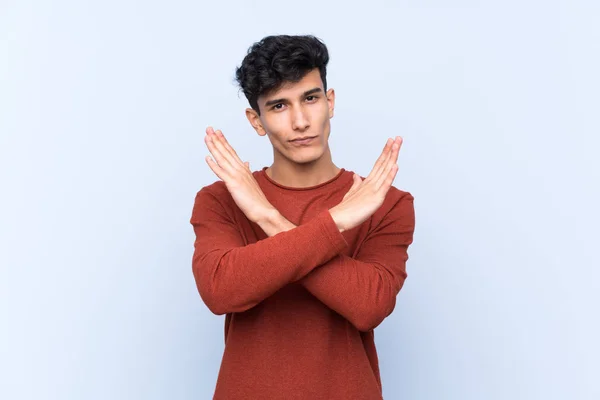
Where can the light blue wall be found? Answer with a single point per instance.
(103, 108)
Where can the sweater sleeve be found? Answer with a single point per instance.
(234, 277)
(363, 289)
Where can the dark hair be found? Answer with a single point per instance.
(276, 60)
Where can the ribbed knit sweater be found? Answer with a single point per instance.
(300, 306)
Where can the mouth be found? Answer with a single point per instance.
(303, 140)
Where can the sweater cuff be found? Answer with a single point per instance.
(335, 237)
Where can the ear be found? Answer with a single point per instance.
(254, 120)
(331, 101)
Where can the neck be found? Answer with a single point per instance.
(288, 173)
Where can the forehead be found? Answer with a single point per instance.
(294, 89)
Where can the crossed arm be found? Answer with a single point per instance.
(233, 277)
(363, 289)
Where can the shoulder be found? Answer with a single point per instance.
(217, 189)
(214, 197)
(397, 209)
(398, 197)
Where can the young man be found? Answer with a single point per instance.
(304, 258)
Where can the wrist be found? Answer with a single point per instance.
(267, 216)
(273, 223)
(335, 215)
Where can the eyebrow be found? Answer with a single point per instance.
(277, 101)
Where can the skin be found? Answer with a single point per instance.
(296, 110)
(297, 114)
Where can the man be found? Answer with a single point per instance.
(304, 258)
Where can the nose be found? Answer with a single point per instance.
(299, 120)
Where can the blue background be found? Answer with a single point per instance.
(103, 107)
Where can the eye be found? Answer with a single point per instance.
(276, 106)
(309, 98)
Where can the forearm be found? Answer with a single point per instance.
(363, 293)
(234, 277)
(363, 288)
(275, 223)
(360, 292)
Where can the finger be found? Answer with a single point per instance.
(215, 167)
(379, 170)
(227, 146)
(217, 154)
(210, 134)
(354, 187)
(392, 156)
(356, 183)
(395, 150)
(382, 157)
(391, 162)
(389, 165)
(234, 161)
(387, 183)
(399, 140)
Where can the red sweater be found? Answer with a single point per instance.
(301, 305)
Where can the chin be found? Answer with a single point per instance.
(307, 158)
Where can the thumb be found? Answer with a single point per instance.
(357, 181)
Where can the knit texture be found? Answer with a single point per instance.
(301, 306)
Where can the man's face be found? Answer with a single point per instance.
(296, 110)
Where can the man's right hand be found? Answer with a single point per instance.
(238, 179)
(365, 197)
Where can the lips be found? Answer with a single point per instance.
(303, 139)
